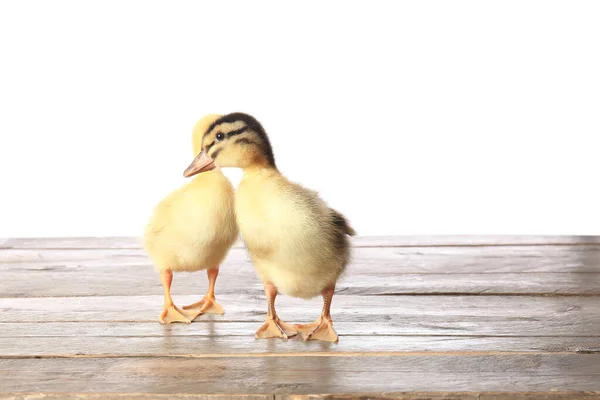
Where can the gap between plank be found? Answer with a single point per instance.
(366, 246)
(313, 354)
(341, 293)
(488, 294)
(441, 395)
(258, 323)
(412, 335)
(593, 242)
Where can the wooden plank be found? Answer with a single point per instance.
(482, 284)
(139, 396)
(305, 375)
(358, 337)
(419, 315)
(509, 270)
(453, 396)
(142, 280)
(512, 259)
(35, 258)
(374, 271)
(541, 396)
(474, 240)
(372, 396)
(108, 242)
(210, 329)
(214, 344)
(359, 241)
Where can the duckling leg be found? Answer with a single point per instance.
(273, 326)
(170, 313)
(322, 328)
(208, 304)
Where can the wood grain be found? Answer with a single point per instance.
(473, 240)
(516, 259)
(453, 396)
(466, 315)
(135, 396)
(134, 281)
(217, 342)
(362, 396)
(360, 241)
(418, 317)
(555, 270)
(211, 328)
(305, 375)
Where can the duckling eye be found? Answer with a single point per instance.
(220, 136)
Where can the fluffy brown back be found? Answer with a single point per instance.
(342, 223)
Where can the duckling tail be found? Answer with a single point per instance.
(342, 223)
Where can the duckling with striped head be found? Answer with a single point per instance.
(298, 245)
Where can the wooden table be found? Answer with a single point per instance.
(418, 318)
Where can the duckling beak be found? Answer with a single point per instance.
(201, 163)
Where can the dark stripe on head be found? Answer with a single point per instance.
(238, 132)
(246, 141)
(251, 124)
(207, 148)
(215, 154)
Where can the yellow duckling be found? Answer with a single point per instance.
(193, 229)
(298, 245)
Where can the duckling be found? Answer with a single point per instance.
(298, 245)
(192, 229)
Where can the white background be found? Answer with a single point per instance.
(423, 117)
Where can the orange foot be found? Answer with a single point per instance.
(173, 313)
(204, 306)
(274, 327)
(321, 329)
